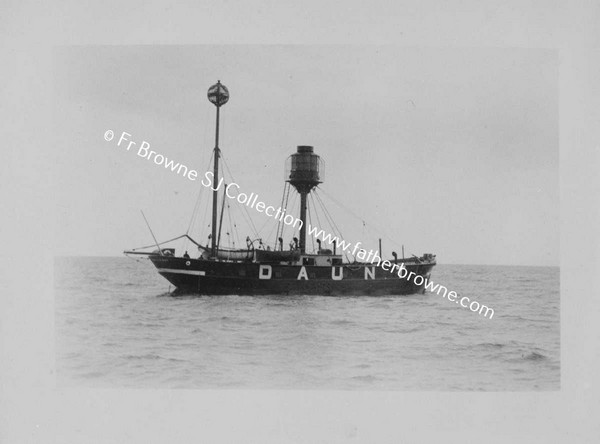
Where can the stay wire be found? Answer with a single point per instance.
(244, 206)
(378, 229)
(332, 221)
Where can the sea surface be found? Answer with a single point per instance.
(117, 325)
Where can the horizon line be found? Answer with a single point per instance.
(444, 263)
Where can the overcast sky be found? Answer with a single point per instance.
(448, 151)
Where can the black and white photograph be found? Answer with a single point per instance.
(354, 217)
(376, 229)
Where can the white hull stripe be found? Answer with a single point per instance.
(173, 270)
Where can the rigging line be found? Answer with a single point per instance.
(207, 205)
(315, 207)
(265, 224)
(292, 208)
(283, 224)
(284, 198)
(269, 235)
(285, 186)
(207, 129)
(205, 135)
(229, 231)
(232, 227)
(340, 204)
(312, 238)
(236, 231)
(328, 216)
(333, 222)
(280, 206)
(166, 242)
(386, 235)
(194, 219)
(205, 142)
(284, 206)
(197, 204)
(153, 237)
(322, 226)
(134, 258)
(184, 243)
(221, 218)
(248, 221)
(194, 212)
(244, 206)
(316, 210)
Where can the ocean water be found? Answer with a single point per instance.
(118, 326)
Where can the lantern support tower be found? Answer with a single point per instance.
(304, 171)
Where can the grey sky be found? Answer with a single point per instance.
(450, 151)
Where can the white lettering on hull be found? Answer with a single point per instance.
(265, 272)
(303, 274)
(339, 275)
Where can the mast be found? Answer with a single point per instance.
(303, 195)
(218, 95)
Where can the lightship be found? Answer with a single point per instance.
(292, 270)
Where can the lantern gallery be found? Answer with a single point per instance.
(232, 192)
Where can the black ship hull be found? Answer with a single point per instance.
(204, 277)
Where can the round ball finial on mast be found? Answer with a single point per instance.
(218, 94)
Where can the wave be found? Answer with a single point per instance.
(412, 330)
(491, 344)
(365, 378)
(152, 356)
(341, 322)
(535, 356)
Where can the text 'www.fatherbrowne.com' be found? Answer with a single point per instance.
(374, 258)
(143, 150)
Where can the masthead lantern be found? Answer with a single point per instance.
(218, 94)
